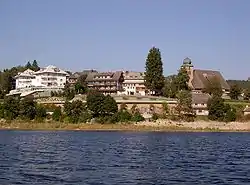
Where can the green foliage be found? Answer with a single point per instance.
(181, 80)
(165, 108)
(28, 65)
(80, 89)
(235, 92)
(74, 110)
(35, 66)
(27, 108)
(40, 112)
(216, 108)
(213, 87)
(154, 79)
(68, 92)
(137, 117)
(134, 109)
(123, 116)
(247, 94)
(242, 84)
(230, 113)
(11, 108)
(85, 117)
(110, 106)
(170, 87)
(101, 105)
(57, 114)
(1, 111)
(184, 105)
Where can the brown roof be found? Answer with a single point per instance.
(132, 75)
(200, 98)
(114, 76)
(202, 77)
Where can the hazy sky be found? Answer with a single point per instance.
(117, 34)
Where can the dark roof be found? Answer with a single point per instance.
(76, 75)
(200, 98)
(84, 72)
(202, 77)
(114, 76)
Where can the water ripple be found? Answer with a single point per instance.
(96, 158)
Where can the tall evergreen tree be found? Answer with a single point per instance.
(154, 79)
(35, 66)
(28, 65)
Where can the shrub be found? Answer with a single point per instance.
(137, 117)
(123, 116)
(85, 117)
(155, 117)
(57, 114)
(40, 113)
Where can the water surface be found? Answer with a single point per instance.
(111, 158)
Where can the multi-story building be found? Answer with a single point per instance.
(134, 83)
(45, 80)
(105, 82)
(25, 79)
(51, 76)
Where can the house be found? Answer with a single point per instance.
(134, 83)
(198, 78)
(43, 81)
(199, 103)
(75, 76)
(246, 111)
(105, 82)
(25, 79)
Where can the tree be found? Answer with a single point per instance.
(27, 108)
(229, 113)
(213, 87)
(35, 66)
(184, 105)
(110, 105)
(74, 110)
(68, 92)
(247, 94)
(154, 79)
(28, 65)
(181, 81)
(95, 101)
(170, 87)
(216, 108)
(137, 117)
(57, 114)
(11, 107)
(235, 92)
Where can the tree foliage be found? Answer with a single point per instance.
(154, 79)
(235, 92)
(184, 105)
(27, 108)
(213, 87)
(181, 81)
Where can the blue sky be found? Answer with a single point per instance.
(117, 34)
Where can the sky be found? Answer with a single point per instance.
(110, 35)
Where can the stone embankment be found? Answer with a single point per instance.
(203, 125)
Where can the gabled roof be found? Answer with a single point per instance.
(26, 73)
(200, 98)
(114, 76)
(51, 69)
(202, 77)
(132, 75)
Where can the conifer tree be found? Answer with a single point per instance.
(154, 79)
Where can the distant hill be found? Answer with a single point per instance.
(243, 84)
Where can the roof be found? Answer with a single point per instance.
(200, 98)
(202, 77)
(132, 75)
(76, 75)
(27, 72)
(51, 69)
(94, 76)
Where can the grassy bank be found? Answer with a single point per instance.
(56, 126)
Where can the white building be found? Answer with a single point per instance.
(134, 83)
(46, 79)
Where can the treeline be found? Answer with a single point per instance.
(7, 81)
(239, 89)
(100, 108)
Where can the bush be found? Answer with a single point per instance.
(123, 116)
(57, 114)
(155, 117)
(137, 117)
(40, 113)
(85, 117)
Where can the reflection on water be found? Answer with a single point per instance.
(123, 158)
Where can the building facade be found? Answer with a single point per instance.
(199, 103)
(25, 79)
(198, 79)
(134, 83)
(106, 82)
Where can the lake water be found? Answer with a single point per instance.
(112, 158)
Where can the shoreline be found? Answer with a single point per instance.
(146, 126)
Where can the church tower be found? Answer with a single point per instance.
(187, 64)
